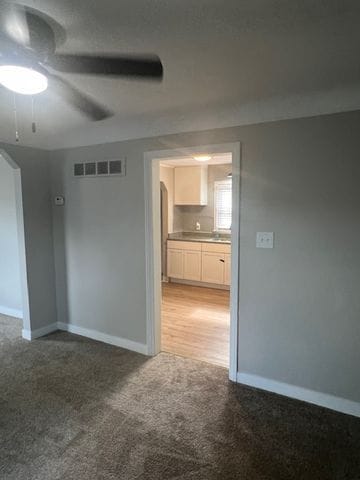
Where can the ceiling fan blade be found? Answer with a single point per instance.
(148, 66)
(13, 22)
(80, 101)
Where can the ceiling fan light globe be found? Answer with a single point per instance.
(23, 80)
(202, 158)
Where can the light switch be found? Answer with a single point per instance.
(264, 239)
(59, 201)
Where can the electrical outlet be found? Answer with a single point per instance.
(264, 239)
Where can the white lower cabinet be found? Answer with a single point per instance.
(201, 262)
(212, 269)
(227, 269)
(192, 265)
(175, 263)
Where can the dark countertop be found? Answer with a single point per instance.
(204, 237)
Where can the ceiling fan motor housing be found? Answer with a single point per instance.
(33, 47)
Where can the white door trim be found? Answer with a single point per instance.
(152, 239)
(25, 313)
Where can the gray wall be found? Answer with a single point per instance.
(299, 303)
(99, 244)
(186, 216)
(10, 285)
(36, 192)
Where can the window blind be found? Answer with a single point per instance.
(223, 205)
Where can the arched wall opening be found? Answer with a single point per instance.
(14, 298)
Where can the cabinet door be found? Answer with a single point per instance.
(190, 185)
(227, 271)
(175, 263)
(192, 265)
(212, 268)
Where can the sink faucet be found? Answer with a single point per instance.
(216, 234)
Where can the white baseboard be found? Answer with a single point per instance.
(39, 332)
(104, 337)
(11, 312)
(86, 332)
(311, 396)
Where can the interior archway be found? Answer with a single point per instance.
(14, 298)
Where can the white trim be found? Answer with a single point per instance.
(103, 337)
(11, 312)
(152, 308)
(25, 314)
(165, 165)
(235, 261)
(152, 238)
(85, 332)
(311, 396)
(39, 332)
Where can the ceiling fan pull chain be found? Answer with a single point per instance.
(33, 124)
(17, 137)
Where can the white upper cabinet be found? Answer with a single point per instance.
(191, 185)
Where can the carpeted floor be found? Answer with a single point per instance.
(75, 409)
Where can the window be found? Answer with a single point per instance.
(223, 204)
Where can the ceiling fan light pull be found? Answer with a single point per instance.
(33, 124)
(17, 136)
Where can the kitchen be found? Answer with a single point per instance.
(196, 201)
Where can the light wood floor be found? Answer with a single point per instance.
(195, 322)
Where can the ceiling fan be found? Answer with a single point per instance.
(28, 61)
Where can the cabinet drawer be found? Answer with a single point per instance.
(180, 245)
(216, 247)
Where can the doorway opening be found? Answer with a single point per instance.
(192, 252)
(196, 256)
(14, 302)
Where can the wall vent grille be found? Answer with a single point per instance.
(115, 167)
(79, 170)
(103, 168)
(90, 169)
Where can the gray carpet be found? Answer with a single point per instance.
(72, 408)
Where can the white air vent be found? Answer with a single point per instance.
(90, 169)
(103, 168)
(79, 170)
(116, 167)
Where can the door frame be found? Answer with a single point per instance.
(164, 228)
(152, 241)
(21, 244)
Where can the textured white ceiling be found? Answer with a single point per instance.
(226, 63)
